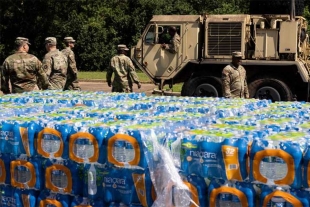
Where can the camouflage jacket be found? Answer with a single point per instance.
(234, 82)
(72, 81)
(23, 70)
(174, 45)
(72, 69)
(123, 69)
(55, 66)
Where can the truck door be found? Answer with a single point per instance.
(159, 62)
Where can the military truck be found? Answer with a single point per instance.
(275, 50)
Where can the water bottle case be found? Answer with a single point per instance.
(123, 137)
(57, 170)
(243, 192)
(22, 163)
(46, 198)
(288, 151)
(31, 165)
(48, 178)
(83, 135)
(48, 201)
(54, 134)
(286, 196)
(214, 192)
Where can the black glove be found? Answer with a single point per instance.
(109, 84)
(139, 85)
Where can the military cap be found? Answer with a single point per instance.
(51, 40)
(237, 54)
(21, 41)
(122, 47)
(69, 39)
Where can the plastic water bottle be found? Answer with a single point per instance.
(224, 200)
(51, 143)
(129, 152)
(235, 202)
(119, 151)
(22, 174)
(92, 185)
(83, 148)
(273, 168)
(59, 179)
(278, 201)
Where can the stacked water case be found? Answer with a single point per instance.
(73, 149)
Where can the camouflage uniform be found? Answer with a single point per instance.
(23, 70)
(174, 45)
(72, 83)
(123, 70)
(55, 66)
(234, 82)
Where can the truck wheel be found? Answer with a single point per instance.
(269, 88)
(202, 87)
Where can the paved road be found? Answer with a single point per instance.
(101, 86)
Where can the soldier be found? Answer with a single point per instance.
(234, 79)
(23, 70)
(122, 68)
(174, 45)
(55, 65)
(72, 83)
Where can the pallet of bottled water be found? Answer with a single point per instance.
(97, 149)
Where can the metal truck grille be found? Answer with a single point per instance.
(224, 38)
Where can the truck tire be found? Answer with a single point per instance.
(207, 86)
(270, 88)
(276, 7)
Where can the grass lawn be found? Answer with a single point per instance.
(102, 76)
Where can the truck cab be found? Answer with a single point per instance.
(275, 52)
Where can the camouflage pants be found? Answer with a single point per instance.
(120, 89)
(72, 85)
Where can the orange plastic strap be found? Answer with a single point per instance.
(25, 200)
(24, 136)
(3, 171)
(224, 189)
(288, 159)
(48, 201)
(48, 178)
(139, 182)
(40, 137)
(31, 183)
(286, 196)
(126, 138)
(194, 194)
(88, 136)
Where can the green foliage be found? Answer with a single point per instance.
(97, 25)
